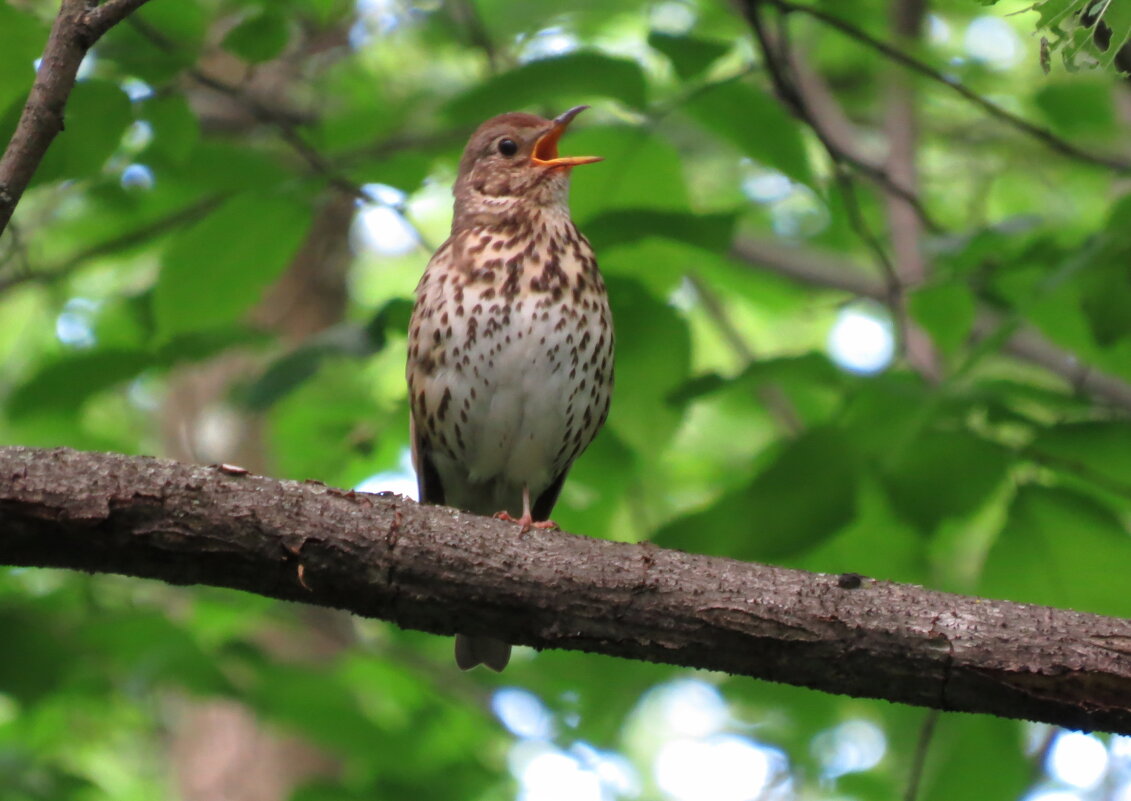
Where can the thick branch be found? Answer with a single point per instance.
(832, 271)
(77, 27)
(441, 571)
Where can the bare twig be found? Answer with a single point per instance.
(466, 15)
(77, 27)
(1043, 135)
(778, 66)
(103, 17)
(833, 271)
(794, 83)
(137, 236)
(922, 746)
(904, 224)
(288, 129)
(771, 396)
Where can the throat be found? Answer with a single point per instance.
(542, 253)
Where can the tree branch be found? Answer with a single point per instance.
(897, 56)
(832, 271)
(138, 236)
(442, 571)
(77, 27)
(901, 129)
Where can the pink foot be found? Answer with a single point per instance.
(526, 521)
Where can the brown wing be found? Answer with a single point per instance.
(544, 503)
(417, 371)
(428, 486)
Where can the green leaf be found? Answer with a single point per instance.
(564, 80)
(620, 226)
(597, 485)
(1105, 283)
(149, 649)
(946, 311)
(1074, 27)
(641, 171)
(876, 543)
(973, 757)
(1078, 107)
(306, 701)
(63, 385)
(215, 166)
(176, 130)
(260, 37)
(755, 123)
(1102, 447)
(812, 369)
(394, 315)
(196, 345)
(96, 117)
(667, 262)
(653, 355)
(45, 653)
(806, 495)
(216, 270)
(180, 29)
(943, 475)
(810, 386)
(406, 171)
(1106, 300)
(22, 38)
(327, 427)
(290, 370)
(1058, 548)
(689, 55)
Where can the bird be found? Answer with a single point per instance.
(510, 343)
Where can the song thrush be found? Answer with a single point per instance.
(510, 349)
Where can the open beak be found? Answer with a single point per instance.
(546, 148)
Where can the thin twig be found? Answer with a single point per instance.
(1043, 135)
(833, 271)
(128, 239)
(778, 68)
(780, 65)
(781, 408)
(926, 733)
(465, 14)
(75, 30)
(286, 127)
(901, 126)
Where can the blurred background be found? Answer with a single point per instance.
(870, 265)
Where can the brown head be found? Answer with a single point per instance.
(512, 162)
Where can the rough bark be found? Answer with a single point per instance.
(442, 571)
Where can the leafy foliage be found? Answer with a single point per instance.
(216, 262)
(1085, 32)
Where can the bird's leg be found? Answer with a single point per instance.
(527, 520)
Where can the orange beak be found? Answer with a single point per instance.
(546, 148)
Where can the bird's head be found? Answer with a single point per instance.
(512, 161)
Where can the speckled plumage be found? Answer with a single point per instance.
(510, 352)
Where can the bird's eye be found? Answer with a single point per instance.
(508, 147)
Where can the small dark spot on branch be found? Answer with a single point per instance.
(850, 581)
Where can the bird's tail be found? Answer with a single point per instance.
(472, 651)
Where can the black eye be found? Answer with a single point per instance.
(508, 147)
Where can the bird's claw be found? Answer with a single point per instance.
(526, 521)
